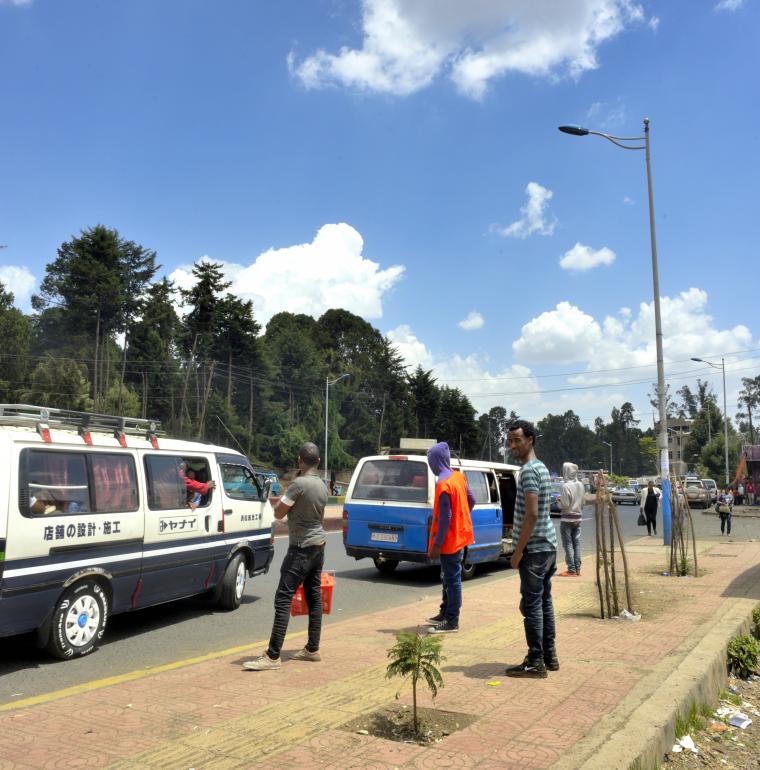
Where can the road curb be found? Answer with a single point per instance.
(637, 734)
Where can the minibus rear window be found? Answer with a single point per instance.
(404, 481)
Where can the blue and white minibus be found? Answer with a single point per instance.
(388, 510)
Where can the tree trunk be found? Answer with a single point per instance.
(123, 369)
(229, 378)
(183, 402)
(250, 414)
(380, 434)
(414, 705)
(202, 420)
(95, 365)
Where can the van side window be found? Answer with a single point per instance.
(478, 484)
(55, 482)
(240, 484)
(167, 477)
(396, 480)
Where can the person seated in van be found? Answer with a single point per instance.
(43, 502)
(193, 486)
(193, 497)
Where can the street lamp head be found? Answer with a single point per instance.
(698, 360)
(574, 130)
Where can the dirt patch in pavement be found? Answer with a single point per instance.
(395, 723)
(718, 744)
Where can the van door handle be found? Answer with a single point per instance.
(228, 511)
(208, 523)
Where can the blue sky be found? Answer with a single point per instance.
(400, 158)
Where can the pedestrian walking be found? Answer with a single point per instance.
(535, 554)
(750, 492)
(740, 494)
(725, 507)
(450, 533)
(648, 506)
(571, 502)
(304, 505)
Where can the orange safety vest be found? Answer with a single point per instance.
(460, 529)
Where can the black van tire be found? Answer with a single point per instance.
(468, 568)
(83, 600)
(233, 583)
(385, 566)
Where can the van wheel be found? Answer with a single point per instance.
(385, 566)
(79, 620)
(233, 583)
(468, 568)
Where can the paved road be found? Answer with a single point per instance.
(193, 627)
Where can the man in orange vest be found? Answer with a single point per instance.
(450, 533)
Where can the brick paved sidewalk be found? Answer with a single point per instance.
(214, 715)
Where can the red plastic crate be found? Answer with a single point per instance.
(299, 607)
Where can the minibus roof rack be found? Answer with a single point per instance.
(33, 416)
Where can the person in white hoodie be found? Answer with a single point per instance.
(571, 501)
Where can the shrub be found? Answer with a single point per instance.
(417, 656)
(743, 652)
(756, 621)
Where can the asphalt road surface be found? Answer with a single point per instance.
(192, 627)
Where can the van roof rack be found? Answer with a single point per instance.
(29, 415)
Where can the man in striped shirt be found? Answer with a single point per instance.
(535, 554)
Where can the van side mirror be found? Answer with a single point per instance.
(267, 490)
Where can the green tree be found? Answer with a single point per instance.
(60, 383)
(417, 657)
(425, 401)
(649, 453)
(16, 336)
(749, 400)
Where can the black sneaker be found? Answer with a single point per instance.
(436, 618)
(551, 661)
(442, 627)
(528, 669)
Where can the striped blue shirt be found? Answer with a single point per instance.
(534, 477)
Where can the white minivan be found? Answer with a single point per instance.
(102, 514)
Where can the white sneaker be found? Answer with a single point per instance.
(262, 663)
(304, 654)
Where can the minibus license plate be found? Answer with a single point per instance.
(385, 537)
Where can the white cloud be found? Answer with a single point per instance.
(473, 321)
(581, 258)
(409, 43)
(729, 5)
(412, 350)
(562, 335)
(16, 2)
(654, 23)
(20, 281)
(329, 272)
(533, 219)
(607, 114)
(628, 201)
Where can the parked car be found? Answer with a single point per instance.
(712, 488)
(697, 493)
(265, 473)
(625, 495)
(556, 505)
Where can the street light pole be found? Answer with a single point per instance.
(609, 444)
(725, 412)
(329, 382)
(624, 143)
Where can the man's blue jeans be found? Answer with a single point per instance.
(536, 570)
(451, 580)
(571, 540)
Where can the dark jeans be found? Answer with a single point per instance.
(300, 565)
(451, 581)
(571, 540)
(651, 522)
(725, 522)
(536, 570)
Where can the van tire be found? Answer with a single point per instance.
(233, 583)
(468, 568)
(78, 621)
(385, 566)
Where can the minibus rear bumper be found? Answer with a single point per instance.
(363, 552)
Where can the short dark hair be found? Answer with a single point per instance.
(309, 454)
(528, 428)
